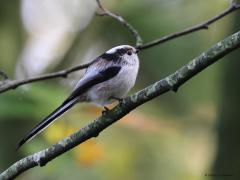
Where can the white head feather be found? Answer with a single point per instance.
(114, 49)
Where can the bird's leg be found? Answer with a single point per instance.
(120, 100)
(105, 110)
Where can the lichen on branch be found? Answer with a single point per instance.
(171, 82)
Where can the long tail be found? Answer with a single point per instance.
(46, 122)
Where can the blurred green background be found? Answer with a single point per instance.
(192, 134)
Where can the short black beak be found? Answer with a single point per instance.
(137, 50)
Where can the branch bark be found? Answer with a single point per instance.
(201, 26)
(12, 84)
(122, 21)
(171, 82)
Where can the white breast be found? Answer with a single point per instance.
(116, 87)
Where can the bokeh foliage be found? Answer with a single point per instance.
(172, 137)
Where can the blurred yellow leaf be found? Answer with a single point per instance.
(57, 131)
(89, 152)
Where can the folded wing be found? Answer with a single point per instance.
(85, 84)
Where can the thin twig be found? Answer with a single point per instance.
(64, 73)
(204, 25)
(171, 82)
(121, 20)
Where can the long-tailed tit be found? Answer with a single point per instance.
(108, 78)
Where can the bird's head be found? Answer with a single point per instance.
(121, 54)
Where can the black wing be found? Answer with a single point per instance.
(102, 76)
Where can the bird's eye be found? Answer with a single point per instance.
(129, 52)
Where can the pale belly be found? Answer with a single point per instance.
(117, 87)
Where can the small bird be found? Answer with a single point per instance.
(109, 78)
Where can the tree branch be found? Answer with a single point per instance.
(12, 84)
(122, 21)
(201, 26)
(171, 82)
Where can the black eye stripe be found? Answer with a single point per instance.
(122, 51)
(110, 57)
(116, 55)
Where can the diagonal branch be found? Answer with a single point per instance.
(121, 20)
(201, 26)
(12, 84)
(171, 82)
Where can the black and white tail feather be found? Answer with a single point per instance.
(46, 122)
(110, 75)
